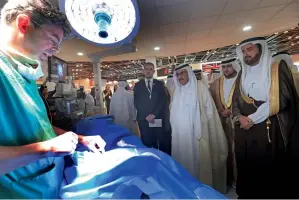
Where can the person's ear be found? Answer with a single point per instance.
(23, 23)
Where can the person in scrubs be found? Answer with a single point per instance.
(31, 150)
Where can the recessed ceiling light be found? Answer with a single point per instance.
(276, 33)
(80, 54)
(237, 44)
(247, 28)
(289, 37)
(297, 37)
(286, 32)
(157, 48)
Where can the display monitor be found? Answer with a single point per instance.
(57, 69)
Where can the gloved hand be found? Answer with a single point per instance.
(61, 145)
(94, 143)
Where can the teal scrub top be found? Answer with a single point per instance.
(24, 120)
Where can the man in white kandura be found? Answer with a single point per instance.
(122, 107)
(198, 139)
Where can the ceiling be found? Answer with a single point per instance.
(188, 26)
(186, 30)
(127, 69)
(287, 40)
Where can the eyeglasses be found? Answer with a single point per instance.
(56, 45)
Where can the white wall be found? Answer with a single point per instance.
(196, 66)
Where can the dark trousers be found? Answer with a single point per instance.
(108, 106)
(155, 137)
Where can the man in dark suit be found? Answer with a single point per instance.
(151, 104)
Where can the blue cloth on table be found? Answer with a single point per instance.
(127, 169)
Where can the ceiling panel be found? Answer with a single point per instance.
(206, 8)
(234, 18)
(174, 29)
(289, 11)
(178, 47)
(264, 14)
(175, 39)
(197, 25)
(223, 32)
(148, 18)
(170, 2)
(174, 13)
(237, 5)
(196, 37)
(268, 3)
(147, 4)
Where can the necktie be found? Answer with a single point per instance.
(149, 85)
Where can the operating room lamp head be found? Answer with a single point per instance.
(102, 18)
(103, 22)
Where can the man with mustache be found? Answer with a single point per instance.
(265, 109)
(31, 150)
(222, 91)
(198, 139)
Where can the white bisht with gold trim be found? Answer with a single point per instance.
(198, 140)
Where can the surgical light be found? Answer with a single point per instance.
(103, 22)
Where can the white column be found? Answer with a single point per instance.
(154, 61)
(98, 83)
(200, 64)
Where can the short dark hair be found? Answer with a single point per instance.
(41, 12)
(149, 63)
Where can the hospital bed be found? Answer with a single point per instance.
(128, 170)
